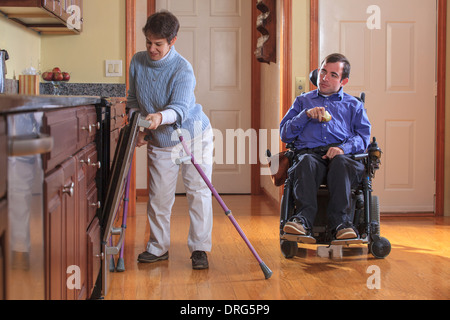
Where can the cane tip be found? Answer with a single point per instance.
(265, 269)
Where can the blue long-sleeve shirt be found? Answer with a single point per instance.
(349, 126)
(166, 84)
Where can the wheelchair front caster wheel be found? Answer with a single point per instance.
(288, 248)
(380, 248)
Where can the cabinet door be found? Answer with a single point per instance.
(61, 229)
(94, 253)
(54, 235)
(70, 206)
(81, 238)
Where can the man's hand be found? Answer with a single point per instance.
(316, 113)
(333, 152)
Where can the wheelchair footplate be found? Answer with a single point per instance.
(298, 238)
(346, 242)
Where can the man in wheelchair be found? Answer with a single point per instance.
(322, 148)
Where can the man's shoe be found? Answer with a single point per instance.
(346, 233)
(199, 260)
(295, 227)
(146, 257)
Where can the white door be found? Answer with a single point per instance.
(215, 36)
(392, 49)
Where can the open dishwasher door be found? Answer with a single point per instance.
(113, 238)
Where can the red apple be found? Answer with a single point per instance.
(47, 76)
(56, 69)
(66, 76)
(57, 76)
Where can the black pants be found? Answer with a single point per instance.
(341, 175)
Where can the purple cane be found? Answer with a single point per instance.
(267, 272)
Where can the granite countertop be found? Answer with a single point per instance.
(15, 103)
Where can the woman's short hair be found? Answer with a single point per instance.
(162, 24)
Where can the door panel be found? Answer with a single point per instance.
(215, 37)
(396, 66)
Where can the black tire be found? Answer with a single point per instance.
(380, 248)
(288, 248)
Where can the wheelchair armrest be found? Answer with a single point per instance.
(359, 156)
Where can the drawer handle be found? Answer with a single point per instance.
(97, 205)
(88, 128)
(92, 126)
(24, 146)
(89, 163)
(69, 189)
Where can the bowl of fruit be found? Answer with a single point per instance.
(56, 76)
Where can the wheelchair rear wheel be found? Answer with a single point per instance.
(288, 248)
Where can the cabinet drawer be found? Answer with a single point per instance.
(89, 162)
(71, 129)
(3, 157)
(118, 113)
(62, 125)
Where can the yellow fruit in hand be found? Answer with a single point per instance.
(327, 117)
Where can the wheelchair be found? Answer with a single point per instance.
(365, 209)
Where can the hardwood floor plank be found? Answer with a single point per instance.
(417, 268)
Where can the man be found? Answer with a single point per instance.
(322, 149)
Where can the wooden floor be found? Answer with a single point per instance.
(417, 268)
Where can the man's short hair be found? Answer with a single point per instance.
(337, 57)
(162, 24)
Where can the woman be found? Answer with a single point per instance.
(162, 85)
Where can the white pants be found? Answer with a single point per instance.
(162, 186)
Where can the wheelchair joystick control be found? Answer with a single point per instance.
(374, 151)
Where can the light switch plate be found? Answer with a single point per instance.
(300, 85)
(113, 68)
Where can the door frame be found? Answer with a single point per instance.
(441, 95)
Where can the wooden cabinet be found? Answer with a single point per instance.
(46, 16)
(74, 183)
(71, 202)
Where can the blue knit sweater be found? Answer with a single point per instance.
(166, 84)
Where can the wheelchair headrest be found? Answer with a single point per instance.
(313, 76)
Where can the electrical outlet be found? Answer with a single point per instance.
(113, 68)
(300, 85)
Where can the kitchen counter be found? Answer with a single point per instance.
(15, 103)
(55, 168)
